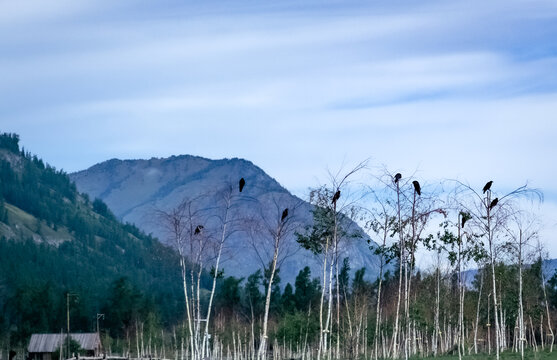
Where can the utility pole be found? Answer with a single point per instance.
(99, 316)
(68, 323)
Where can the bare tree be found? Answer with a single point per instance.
(272, 239)
(195, 229)
(382, 222)
(413, 209)
(182, 224)
(461, 248)
(489, 214)
(541, 257)
(228, 223)
(335, 207)
(522, 230)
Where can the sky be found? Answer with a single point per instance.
(439, 89)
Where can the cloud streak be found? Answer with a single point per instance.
(295, 87)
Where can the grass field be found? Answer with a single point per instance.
(508, 355)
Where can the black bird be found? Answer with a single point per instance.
(336, 196)
(198, 229)
(417, 187)
(487, 186)
(465, 218)
(284, 214)
(242, 184)
(493, 203)
(397, 177)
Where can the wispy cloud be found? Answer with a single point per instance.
(461, 89)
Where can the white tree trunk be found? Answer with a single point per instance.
(215, 276)
(378, 308)
(520, 304)
(551, 334)
(395, 353)
(262, 353)
(437, 329)
(478, 314)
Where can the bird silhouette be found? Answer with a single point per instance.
(336, 196)
(242, 184)
(198, 229)
(397, 177)
(417, 187)
(284, 214)
(465, 218)
(493, 203)
(487, 186)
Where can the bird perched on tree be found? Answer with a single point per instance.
(398, 176)
(487, 186)
(198, 229)
(417, 187)
(493, 203)
(465, 218)
(284, 214)
(336, 196)
(242, 184)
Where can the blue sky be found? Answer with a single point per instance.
(446, 89)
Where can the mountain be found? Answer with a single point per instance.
(54, 240)
(136, 189)
(549, 267)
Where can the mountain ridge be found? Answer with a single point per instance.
(135, 189)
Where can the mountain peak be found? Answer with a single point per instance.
(135, 189)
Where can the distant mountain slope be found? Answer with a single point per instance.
(549, 268)
(54, 240)
(134, 189)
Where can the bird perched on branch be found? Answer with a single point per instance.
(493, 203)
(336, 196)
(487, 186)
(398, 176)
(284, 214)
(417, 187)
(465, 218)
(198, 229)
(242, 184)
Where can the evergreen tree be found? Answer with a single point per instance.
(307, 292)
(288, 300)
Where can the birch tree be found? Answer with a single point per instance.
(228, 222)
(412, 210)
(195, 229)
(382, 223)
(522, 231)
(333, 213)
(489, 214)
(460, 249)
(272, 239)
(182, 224)
(539, 250)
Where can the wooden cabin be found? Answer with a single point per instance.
(41, 346)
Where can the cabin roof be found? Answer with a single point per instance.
(48, 343)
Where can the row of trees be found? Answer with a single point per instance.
(479, 228)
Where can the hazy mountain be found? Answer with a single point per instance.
(549, 267)
(135, 189)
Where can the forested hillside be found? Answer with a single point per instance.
(55, 240)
